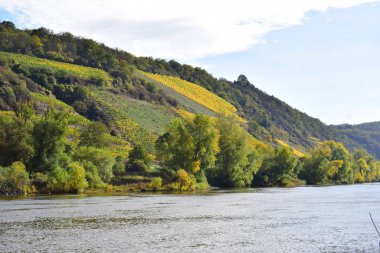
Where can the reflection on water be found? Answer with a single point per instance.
(305, 219)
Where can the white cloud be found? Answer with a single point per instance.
(184, 30)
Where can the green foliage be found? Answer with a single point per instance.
(48, 138)
(328, 162)
(15, 140)
(156, 183)
(236, 162)
(58, 180)
(92, 176)
(138, 154)
(15, 179)
(94, 135)
(76, 177)
(102, 159)
(191, 145)
(119, 166)
(278, 169)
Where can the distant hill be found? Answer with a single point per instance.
(137, 96)
(366, 135)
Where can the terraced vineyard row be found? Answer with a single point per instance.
(75, 70)
(128, 128)
(196, 93)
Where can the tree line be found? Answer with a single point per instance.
(36, 155)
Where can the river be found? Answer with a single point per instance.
(302, 219)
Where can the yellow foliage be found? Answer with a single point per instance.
(185, 114)
(196, 166)
(295, 151)
(334, 167)
(197, 93)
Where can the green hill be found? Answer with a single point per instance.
(267, 117)
(80, 115)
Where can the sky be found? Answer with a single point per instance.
(320, 56)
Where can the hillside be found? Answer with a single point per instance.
(366, 135)
(79, 116)
(264, 116)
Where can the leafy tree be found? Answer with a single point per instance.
(94, 135)
(15, 141)
(15, 179)
(236, 163)
(102, 159)
(192, 145)
(138, 155)
(76, 177)
(328, 162)
(49, 138)
(119, 166)
(175, 148)
(279, 166)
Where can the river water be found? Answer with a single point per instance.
(303, 219)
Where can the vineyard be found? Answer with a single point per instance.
(127, 127)
(56, 67)
(119, 147)
(196, 93)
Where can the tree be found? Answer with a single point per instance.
(276, 167)
(190, 145)
(49, 138)
(102, 159)
(15, 141)
(138, 153)
(236, 162)
(94, 135)
(76, 177)
(328, 162)
(15, 179)
(175, 148)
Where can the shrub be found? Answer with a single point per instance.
(15, 179)
(102, 159)
(92, 176)
(156, 183)
(76, 177)
(119, 166)
(57, 180)
(39, 180)
(137, 166)
(184, 181)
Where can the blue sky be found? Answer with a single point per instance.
(321, 57)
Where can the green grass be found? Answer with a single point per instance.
(71, 69)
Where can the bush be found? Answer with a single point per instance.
(137, 166)
(39, 180)
(102, 159)
(15, 180)
(184, 181)
(119, 166)
(76, 177)
(57, 180)
(156, 183)
(92, 176)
